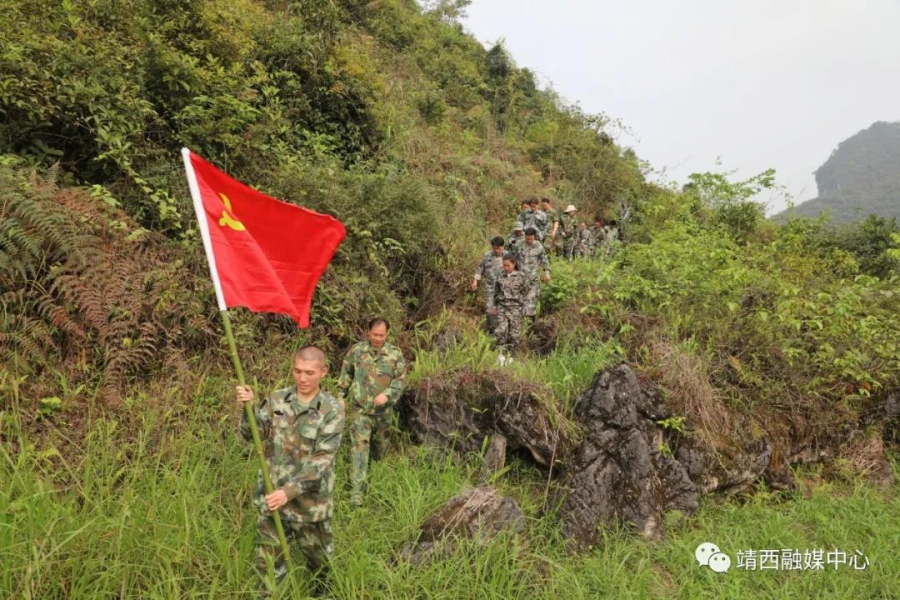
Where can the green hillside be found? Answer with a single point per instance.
(860, 178)
(773, 346)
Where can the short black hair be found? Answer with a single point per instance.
(547, 200)
(511, 258)
(379, 321)
(613, 223)
(497, 241)
(531, 231)
(311, 353)
(533, 201)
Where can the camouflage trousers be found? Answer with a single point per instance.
(488, 305)
(568, 248)
(314, 540)
(368, 434)
(509, 326)
(531, 298)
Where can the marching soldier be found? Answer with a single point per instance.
(371, 381)
(516, 238)
(549, 234)
(534, 217)
(301, 428)
(509, 302)
(532, 260)
(568, 230)
(489, 270)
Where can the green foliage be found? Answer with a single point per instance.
(158, 507)
(85, 289)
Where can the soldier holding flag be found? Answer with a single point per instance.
(301, 426)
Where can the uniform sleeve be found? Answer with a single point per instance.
(262, 422)
(310, 475)
(479, 271)
(347, 371)
(545, 262)
(396, 387)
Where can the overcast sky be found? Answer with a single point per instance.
(757, 83)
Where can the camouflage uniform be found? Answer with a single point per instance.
(568, 230)
(584, 243)
(300, 442)
(532, 259)
(552, 217)
(536, 219)
(610, 241)
(509, 298)
(489, 270)
(365, 373)
(513, 243)
(597, 238)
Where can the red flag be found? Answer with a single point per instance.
(264, 254)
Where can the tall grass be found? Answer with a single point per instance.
(163, 512)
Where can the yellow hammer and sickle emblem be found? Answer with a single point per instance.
(227, 218)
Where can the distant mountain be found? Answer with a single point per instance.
(861, 177)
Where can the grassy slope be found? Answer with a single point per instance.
(167, 516)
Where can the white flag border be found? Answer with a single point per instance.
(204, 226)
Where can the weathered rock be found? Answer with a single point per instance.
(478, 513)
(461, 411)
(729, 470)
(494, 458)
(619, 472)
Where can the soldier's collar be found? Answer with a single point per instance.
(313, 404)
(374, 349)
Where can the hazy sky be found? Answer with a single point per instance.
(757, 83)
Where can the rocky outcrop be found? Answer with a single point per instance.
(478, 513)
(461, 412)
(622, 471)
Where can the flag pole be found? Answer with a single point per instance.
(232, 347)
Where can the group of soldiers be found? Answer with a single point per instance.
(301, 427)
(512, 269)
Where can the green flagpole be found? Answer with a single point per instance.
(254, 430)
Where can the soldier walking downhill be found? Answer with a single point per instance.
(568, 229)
(300, 427)
(516, 238)
(550, 230)
(509, 303)
(489, 270)
(532, 260)
(534, 217)
(371, 380)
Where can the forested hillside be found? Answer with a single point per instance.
(768, 354)
(395, 121)
(860, 178)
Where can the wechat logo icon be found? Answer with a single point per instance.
(709, 555)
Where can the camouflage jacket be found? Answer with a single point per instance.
(568, 225)
(367, 372)
(610, 234)
(532, 259)
(510, 289)
(513, 243)
(536, 219)
(586, 237)
(300, 442)
(597, 236)
(552, 217)
(489, 268)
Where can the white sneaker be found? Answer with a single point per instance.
(501, 360)
(509, 360)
